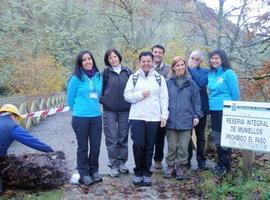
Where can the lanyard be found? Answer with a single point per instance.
(92, 84)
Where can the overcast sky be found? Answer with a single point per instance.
(256, 7)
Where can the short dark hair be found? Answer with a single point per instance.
(78, 66)
(224, 58)
(159, 46)
(108, 53)
(146, 53)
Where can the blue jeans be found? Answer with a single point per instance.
(87, 130)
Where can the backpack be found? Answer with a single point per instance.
(105, 77)
(135, 77)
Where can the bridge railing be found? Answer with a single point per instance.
(28, 104)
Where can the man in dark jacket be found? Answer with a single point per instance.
(158, 52)
(200, 77)
(10, 130)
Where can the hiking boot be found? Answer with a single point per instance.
(137, 180)
(147, 181)
(158, 165)
(169, 172)
(87, 180)
(188, 165)
(123, 169)
(114, 172)
(202, 166)
(180, 172)
(220, 170)
(96, 177)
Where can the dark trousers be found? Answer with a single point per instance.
(143, 135)
(159, 146)
(200, 135)
(224, 154)
(1, 185)
(87, 130)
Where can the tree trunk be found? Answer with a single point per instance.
(246, 167)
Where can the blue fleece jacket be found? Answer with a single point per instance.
(222, 85)
(10, 130)
(200, 77)
(83, 95)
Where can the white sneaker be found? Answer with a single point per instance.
(75, 179)
(123, 169)
(114, 172)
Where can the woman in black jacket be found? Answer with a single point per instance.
(115, 111)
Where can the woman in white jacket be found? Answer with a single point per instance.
(147, 92)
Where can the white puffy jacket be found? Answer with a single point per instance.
(152, 108)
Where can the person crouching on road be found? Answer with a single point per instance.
(84, 90)
(185, 111)
(146, 90)
(10, 130)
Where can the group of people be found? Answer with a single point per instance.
(154, 102)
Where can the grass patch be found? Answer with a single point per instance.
(41, 195)
(234, 186)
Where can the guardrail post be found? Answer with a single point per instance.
(27, 104)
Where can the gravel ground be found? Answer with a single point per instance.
(57, 132)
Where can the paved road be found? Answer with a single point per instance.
(57, 131)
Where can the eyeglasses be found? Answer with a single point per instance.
(196, 59)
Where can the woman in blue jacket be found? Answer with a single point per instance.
(222, 85)
(84, 90)
(184, 114)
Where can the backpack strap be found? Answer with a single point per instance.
(135, 77)
(158, 79)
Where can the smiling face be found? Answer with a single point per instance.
(114, 60)
(146, 63)
(87, 61)
(215, 61)
(180, 68)
(158, 55)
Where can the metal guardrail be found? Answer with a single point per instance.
(27, 104)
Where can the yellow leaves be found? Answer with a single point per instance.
(39, 75)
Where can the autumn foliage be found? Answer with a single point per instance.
(257, 87)
(39, 75)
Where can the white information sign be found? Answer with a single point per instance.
(246, 125)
